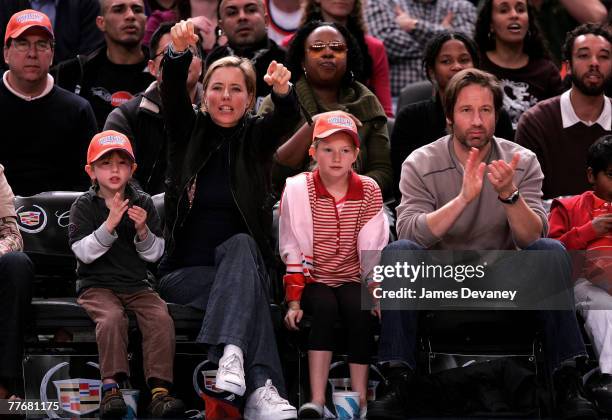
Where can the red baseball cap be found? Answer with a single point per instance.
(333, 122)
(24, 20)
(107, 141)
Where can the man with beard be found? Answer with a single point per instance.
(113, 74)
(244, 23)
(561, 129)
(472, 191)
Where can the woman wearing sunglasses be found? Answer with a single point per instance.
(325, 61)
(350, 14)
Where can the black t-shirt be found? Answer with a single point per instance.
(108, 85)
(525, 87)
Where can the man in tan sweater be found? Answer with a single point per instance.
(473, 191)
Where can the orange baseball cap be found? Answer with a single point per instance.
(24, 20)
(332, 123)
(107, 141)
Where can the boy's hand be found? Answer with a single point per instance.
(278, 77)
(139, 216)
(116, 209)
(602, 224)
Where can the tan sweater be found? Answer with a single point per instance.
(432, 176)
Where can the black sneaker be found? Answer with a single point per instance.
(599, 390)
(112, 405)
(165, 406)
(571, 400)
(393, 404)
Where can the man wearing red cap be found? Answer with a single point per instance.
(73, 21)
(43, 124)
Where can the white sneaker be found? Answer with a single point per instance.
(230, 375)
(265, 404)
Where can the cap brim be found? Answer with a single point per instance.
(106, 151)
(20, 31)
(329, 132)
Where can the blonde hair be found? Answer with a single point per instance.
(250, 79)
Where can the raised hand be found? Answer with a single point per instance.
(116, 208)
(206, 28)
(183, 35)
(473, 175)
(139, 217)
(404, 20)
(278, 77)
(447, 22)
(501, 175)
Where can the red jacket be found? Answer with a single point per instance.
(570, 221)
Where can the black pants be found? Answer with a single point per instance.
(16, 276)
(326, 305)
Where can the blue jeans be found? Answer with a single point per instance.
(234, 296)
(561, 334)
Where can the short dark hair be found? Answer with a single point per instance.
(297, 52)
(534, 44)
(433, 47)
(584, 29)
(260, 4)
(468, 77)
(163, 29)
(599, 155)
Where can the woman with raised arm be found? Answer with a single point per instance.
(218, 221)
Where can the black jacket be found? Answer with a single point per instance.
(251, 150)
(75, 26)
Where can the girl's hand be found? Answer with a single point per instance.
(278, 77)
(294, 316)
(139, 216)
(183, 35)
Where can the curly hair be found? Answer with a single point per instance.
(584, 29)
(297, 52)
(355, 24)
(534, 44)
(433, 47)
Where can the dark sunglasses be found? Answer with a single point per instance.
(335, 46)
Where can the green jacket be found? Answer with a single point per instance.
(374, 159)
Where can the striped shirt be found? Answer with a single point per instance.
(336, 225)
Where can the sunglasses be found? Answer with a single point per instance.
(338, 48)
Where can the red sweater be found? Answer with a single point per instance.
(570, 220)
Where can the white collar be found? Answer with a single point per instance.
(569, 117)
(45, 92)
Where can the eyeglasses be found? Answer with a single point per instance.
(23, 45)
(338, 48)
(194, 52)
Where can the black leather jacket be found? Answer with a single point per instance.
(251, 150)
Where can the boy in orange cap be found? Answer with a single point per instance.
(114, 232)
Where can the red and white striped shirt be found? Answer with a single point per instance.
(336, 225)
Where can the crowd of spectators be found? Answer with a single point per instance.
(216, 104)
